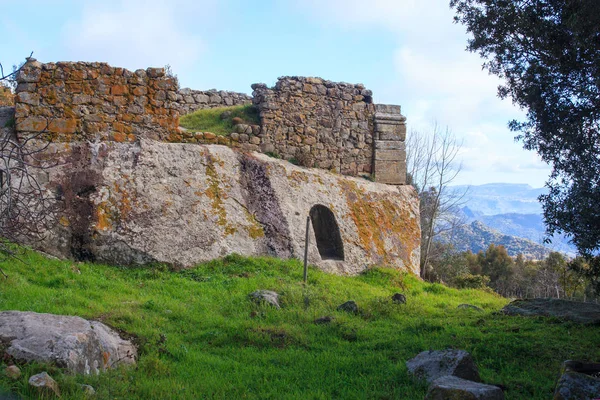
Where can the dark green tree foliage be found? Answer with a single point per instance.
(548, 53)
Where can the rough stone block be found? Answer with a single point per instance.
(387, 108)
(390, 172)
(32, 124)
(387, 131)
(390, 145)
(390, 155)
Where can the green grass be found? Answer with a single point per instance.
(210, 120)
(220, 345)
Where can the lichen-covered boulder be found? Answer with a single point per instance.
(265, 297)
(182, 204)
(584, 313)
(430, 365)
(73, 343)
(451, 387)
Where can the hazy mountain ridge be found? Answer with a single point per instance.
(510, 210)
(477, 236)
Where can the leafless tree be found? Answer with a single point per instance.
(433, 164)
(27, 209)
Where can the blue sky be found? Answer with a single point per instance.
(408, 52)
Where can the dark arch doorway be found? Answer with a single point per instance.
(327, 233)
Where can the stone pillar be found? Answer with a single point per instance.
(389, 152)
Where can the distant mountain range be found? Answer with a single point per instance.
(477, 236)
(507, 214)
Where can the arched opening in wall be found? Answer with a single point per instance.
(327, 233)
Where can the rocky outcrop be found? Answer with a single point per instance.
(579, 380)
(73, 343)
(132, 203)
(584, 313)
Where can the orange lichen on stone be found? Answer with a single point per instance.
(103, 219)
(217, 195)
(119, 90)
(62, 126)
(92, 100)
(377, 219)
(297, 178)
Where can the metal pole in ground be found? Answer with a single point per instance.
(306, 250)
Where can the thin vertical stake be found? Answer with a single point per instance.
(306, 250)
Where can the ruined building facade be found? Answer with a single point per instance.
(133, 187)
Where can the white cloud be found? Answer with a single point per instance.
(134, 34)
(437, 80)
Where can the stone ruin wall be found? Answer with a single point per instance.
(317, 123)
(321, 123)
(133, 193)
(191, 100)
(95, 102)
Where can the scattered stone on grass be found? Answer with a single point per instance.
(452, 387)
(45, 384)
(583, 313)
(265, 296)
(430, 365)
(349, 306)
(88, 390)
(324, 320)
(399, 298)
(73, 343)
(469, 307)
(13, 372)
(579, 380)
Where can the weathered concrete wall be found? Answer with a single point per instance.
(191, 100)
(321, 123)
(94, 101)
(186, 203)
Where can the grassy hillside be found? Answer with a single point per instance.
(214, 120)
(200, 337)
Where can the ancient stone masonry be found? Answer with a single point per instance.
(389, 153)
(321, 123)
(94, 101)
(191, 100)
(134, 187)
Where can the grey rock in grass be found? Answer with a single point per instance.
(13, 372)
(451, 387)
(399, 298)
(265, 296)
(576, 311)
(323, 320)
(430, 365)
(349, 306)
(88, 390)
(579, 380)
(469, 307)
(45, 384)
(73, 343)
